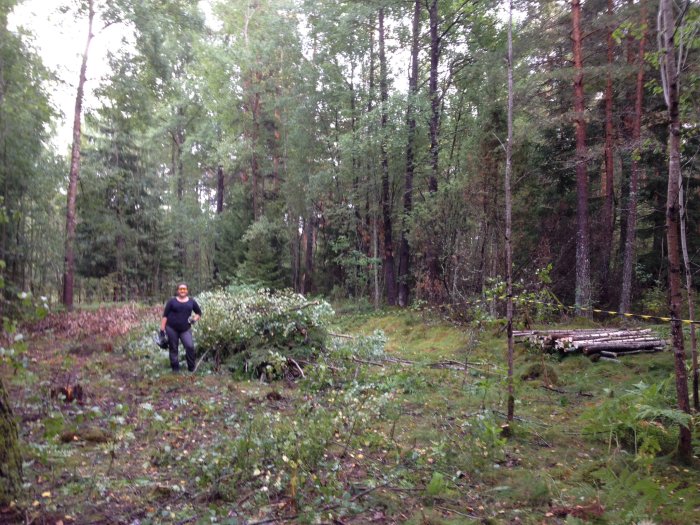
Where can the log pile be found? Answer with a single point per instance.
(610, 343)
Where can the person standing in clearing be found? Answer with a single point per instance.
(176, 323)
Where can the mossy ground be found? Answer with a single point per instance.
(410, 441)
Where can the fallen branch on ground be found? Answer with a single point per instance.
(559, 391)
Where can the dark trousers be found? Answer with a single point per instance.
(174, 338)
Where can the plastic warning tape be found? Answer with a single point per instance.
(646, 317)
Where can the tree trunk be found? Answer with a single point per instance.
(10, 459)
(691, 299)
(509, 210)
(434, 98)
(404, 249)
(74, 176)
(220, 188)
(388, 258)
(370, 217)
(252, 107)
(254, 165)
(178, 168)
(432, 248)
(583, 264)
(671, 85)
(631, 233)
(296, 259)
(4, 35)
(361, 235)
(375, 269)
(688, 277)
(607, 220)
(120, 266)
(307, 277)
(277, 157)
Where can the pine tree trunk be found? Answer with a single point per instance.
(404, 249)
(4, 36)
(388, 256)
(607, 220)
(583, 265)
(296, 260)
(307, 277)
(434, 97)
(10, 459)
(375, 269)
(254, 165)
(631, 233)
(74, 176)
(433, 267)
(370, 217)
(509, 209)
(220, 188)
(670, 81)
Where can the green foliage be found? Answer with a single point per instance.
(257, 328)
(641, 419)
(265, 258)
(437, 485)
(30, 174)
(533, 299)
(654, 301)
(355, 265)
(231, 226)
(634, 497)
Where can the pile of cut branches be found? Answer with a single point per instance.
(261, 331)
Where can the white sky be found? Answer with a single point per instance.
(60, 41)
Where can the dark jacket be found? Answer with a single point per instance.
(178, 314)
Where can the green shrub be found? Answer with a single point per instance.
(257, 330)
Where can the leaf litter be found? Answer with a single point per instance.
(172, 448)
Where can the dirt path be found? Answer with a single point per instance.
(104, 424)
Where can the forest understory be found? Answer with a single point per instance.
(399, 423)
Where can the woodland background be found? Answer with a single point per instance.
(351, 149)
(365, 154)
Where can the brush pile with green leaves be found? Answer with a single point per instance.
(258, 330)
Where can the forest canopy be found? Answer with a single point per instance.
(350, 149)
(288, 159)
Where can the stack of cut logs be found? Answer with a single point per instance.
(610, 343)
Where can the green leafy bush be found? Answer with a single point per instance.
(258, 330)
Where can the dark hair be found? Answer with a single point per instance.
(180, 285)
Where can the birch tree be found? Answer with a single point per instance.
(74, 175)
(668, 22)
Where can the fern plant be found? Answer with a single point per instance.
(642, 420)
